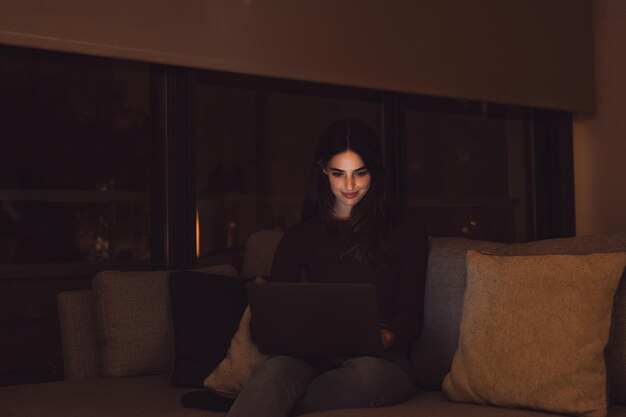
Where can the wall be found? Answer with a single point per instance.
(600, 139)
(528, 52)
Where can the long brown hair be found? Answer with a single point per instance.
(372, 217)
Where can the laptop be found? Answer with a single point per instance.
(307, 319)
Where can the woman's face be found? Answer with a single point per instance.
(349, 181)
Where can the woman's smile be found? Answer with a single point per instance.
(350, 195)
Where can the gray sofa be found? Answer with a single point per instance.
(123, 371)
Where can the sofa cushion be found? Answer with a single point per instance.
(435, 404)
(242, 359)
(142, 396)
(443, 301)
(153, 396)
(616, 351)
(206, 311)
(81, 355)
(534, 330)
(260, 248)
(443, 305)
(133, 321)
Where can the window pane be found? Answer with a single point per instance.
(466, 168)
(132, 232)
(53, 232)
(72, 122)
(49, 232)
(75, 161)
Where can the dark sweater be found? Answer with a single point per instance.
(309, 248)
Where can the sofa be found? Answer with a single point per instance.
(137, 383)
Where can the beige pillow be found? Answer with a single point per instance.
(534, 330)
(242, 358)
(133, 322)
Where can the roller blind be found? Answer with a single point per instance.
(528, 52)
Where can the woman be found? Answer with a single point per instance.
(348, 234)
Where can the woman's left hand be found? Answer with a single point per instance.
(387, 338)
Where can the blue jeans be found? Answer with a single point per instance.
(287, 386)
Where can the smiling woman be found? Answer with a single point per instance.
(349, 234)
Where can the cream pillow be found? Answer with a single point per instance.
(133, 322)
(242, 358)
(534, 330)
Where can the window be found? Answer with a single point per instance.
(466, 168)
(74, 171)
(75, 174)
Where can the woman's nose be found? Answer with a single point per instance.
(349, 182)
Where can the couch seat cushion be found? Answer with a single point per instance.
(147, 396)
(435, 404)
(141, 396)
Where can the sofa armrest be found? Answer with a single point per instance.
(81, 354)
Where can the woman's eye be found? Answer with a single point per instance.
(361, 173)
(336, 173)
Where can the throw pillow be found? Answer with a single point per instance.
(206, 310)
(133, 322)
(443, 302)
(432, 354)
(534, 330)
(242, 358)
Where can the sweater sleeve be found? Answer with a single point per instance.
(407, 324)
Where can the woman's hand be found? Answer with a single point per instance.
(387, 338)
